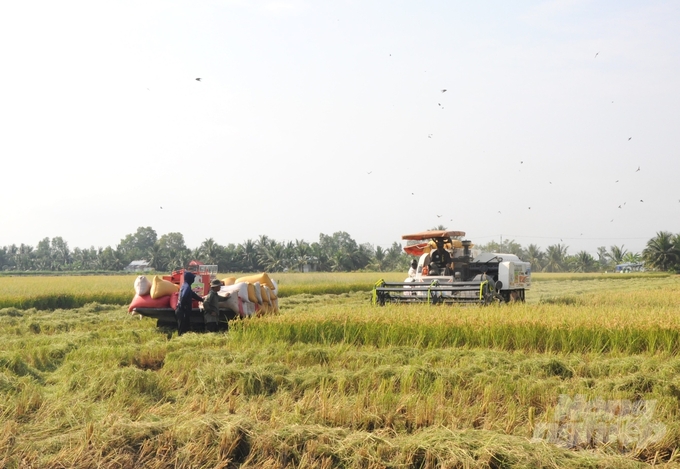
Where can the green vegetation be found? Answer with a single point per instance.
(331, 253)
(661, 253)
(334, 382)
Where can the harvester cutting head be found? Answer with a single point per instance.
(449, 272)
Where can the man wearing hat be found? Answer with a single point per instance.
(211, 308)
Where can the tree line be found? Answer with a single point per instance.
(331, 253)
(662, 252)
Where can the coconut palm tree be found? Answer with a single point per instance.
(555, 258)
(263, 242)
(247, 252)
(210, 250)
(361, 256)
(380, 259)
(397, 259)
(535, 257)
(61, 254)
(320, 257)
(156, 256)
(179, 259)
(273, 257)
(584, 262)
(616, 254)
(663, 251)
(632, 257)
(302, 253)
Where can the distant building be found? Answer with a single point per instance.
(630, 267)
(138, 266)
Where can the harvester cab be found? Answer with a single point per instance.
(450, 271)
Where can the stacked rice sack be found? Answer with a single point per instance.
(255, 294)
(246, 296)
(157, 293)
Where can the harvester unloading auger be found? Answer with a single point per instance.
(448, 271)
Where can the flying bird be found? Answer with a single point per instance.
(629, 138)
(443, 91)
(619, 206)
(439, 216)
(161, 208)
(521, 162)
(369, 172)
(198, 79)
(429, 135)
(641, 200)
(529, 208)
(637, 169)
(499, 211)
(617, 180)
(596, 55)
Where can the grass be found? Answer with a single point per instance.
(335, 382)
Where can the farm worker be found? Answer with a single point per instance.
(186, 295)
(412, 271)
(440, 259)
(211, 307)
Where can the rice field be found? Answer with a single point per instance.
(45, 292)
(333, 382)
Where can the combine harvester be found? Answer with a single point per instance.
(448, 271)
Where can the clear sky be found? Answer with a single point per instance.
(315, 117)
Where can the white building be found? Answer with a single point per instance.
(138, 266)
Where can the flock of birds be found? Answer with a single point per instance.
(443, 90)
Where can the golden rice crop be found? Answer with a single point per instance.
(334, 381)
(45, 292)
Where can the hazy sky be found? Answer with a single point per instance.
(315, 117)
